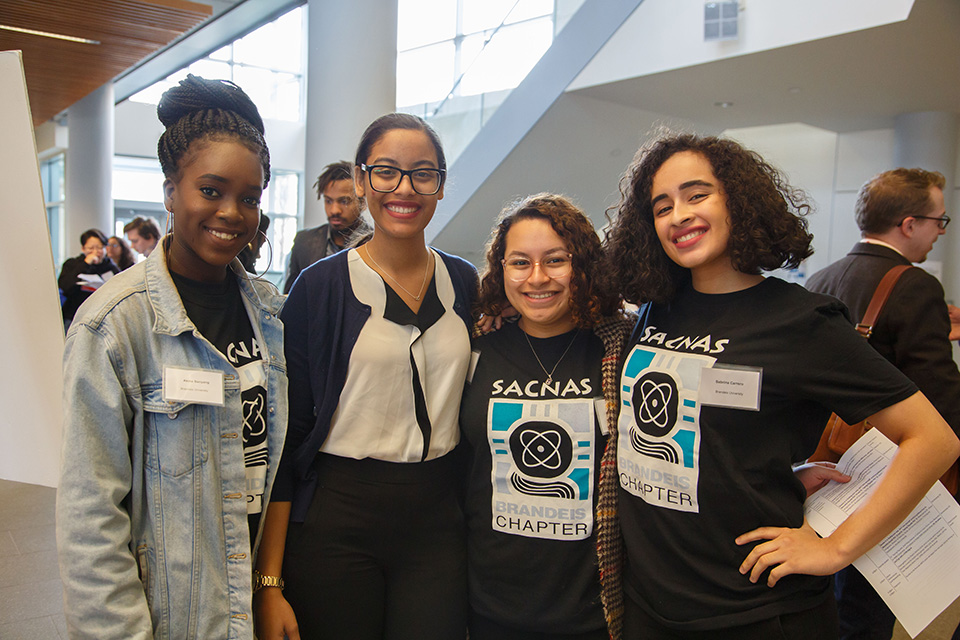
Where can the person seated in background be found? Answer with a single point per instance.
(93, 262)
(143, 235)
(119, 253)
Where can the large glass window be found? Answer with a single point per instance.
(268, 63)
(442, 41)
(137, 179)
(280, 202)
(51, 176)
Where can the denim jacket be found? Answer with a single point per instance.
(152, 523)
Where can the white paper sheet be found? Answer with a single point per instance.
(915, 569)
(93, 280)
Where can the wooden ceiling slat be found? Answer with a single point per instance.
(60, 72)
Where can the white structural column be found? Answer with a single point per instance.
(89, 166)
(928, 140)
(351, 80)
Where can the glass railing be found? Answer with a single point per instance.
(493, 63)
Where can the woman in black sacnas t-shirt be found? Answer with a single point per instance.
(535, 414)
(727, 381)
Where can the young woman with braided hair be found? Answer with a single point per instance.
(175, 398)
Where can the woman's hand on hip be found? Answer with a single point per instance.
(787, 551)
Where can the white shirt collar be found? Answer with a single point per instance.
(882, 244)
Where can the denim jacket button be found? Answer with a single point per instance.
(173, 415)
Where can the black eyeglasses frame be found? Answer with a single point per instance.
(942, 221)
(408, 173)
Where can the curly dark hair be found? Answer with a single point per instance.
(589, 302)
(767, 227)
(198, 110)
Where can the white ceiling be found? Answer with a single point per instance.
(856, 81)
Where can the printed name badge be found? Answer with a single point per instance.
(202, 386)
(731, 386)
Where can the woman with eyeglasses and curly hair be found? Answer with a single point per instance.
(727, 381)
(538, 413)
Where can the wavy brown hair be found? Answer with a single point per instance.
(888, 198)
(767, 225)
(589, 302)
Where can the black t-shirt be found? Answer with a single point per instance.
(218, 312)
(694, 476)
(69, 281)
(535, 451)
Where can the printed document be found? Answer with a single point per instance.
(914, 569)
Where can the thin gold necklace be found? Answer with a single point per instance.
(426, 268)
(550, 373)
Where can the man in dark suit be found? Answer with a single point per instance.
(900, 214)
(340, 202)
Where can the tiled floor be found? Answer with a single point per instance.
(31, 600)
(30, 591)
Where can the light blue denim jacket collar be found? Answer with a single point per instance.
(171, 317)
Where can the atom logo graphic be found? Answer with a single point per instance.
(655, 398)
(541, 449)
(254, 424)
(655, 403)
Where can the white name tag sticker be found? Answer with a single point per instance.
(202, 386)
(733, 387)
(600, 407)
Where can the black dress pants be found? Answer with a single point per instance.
(381, 554)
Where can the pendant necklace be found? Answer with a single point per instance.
(549, 373)
(426, 268)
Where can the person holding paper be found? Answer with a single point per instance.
(92, 262)
(728, 381)
(175, 399)
(901, 214)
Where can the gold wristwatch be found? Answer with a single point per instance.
(260, 581)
